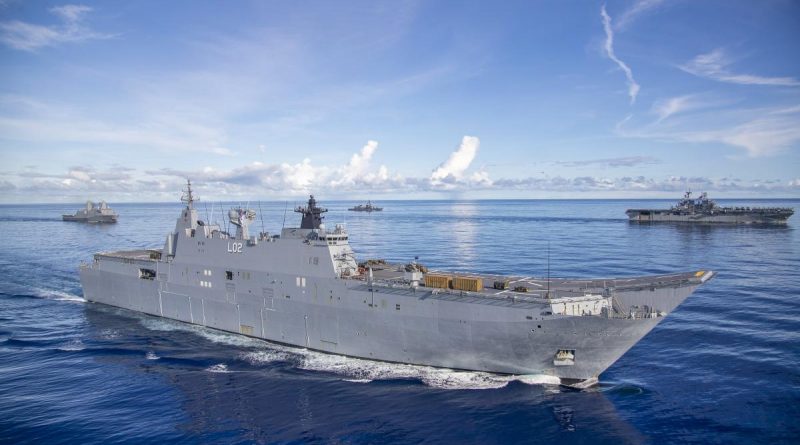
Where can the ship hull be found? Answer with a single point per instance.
(99, 219)
(648, 216)
(415, 326)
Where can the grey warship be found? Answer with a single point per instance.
(368, 207)
(93, 214)
(704, 210)
(304, 287)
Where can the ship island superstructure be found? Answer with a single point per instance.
(93, 213)
(304, 287)
(705, 210)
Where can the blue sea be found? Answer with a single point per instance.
(723, 368)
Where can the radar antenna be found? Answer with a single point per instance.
(548, 269)
(312, 215)
(188, 197)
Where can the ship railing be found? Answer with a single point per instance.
(513, 297)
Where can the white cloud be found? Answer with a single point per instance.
(80, 175)
(761, 137)
(675, 105)
(714, 65)
(638, 8)
(358, 165)
(71, 14)
(26, 119)
(222, 151)
(640, 184)
(30, 37)
(258, 180)
(481, 179)
(302, 177)
(457, 163)
(760, 132)
(627, 161)
(633, 87)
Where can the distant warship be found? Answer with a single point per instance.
(305, 288)
(368, 207)
(93, 213)
(704, 210)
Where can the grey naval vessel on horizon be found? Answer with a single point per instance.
(704, 210)
(305, 288)
(93, 214)
(368, 207)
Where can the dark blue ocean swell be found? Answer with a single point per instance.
(723, 368)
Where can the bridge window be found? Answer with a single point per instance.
(229, 275)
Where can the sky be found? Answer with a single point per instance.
(123, 101)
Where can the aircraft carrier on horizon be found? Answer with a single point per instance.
(304, 287)
(704, 210)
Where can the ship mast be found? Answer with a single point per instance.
(312, 215)
(187, 196)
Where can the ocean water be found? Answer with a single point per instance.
(723, 368)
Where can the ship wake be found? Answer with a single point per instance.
(53, 294)
(349, 369)
(359, 370)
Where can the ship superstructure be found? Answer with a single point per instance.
(304, 287)
(93, 213)
(704, 210)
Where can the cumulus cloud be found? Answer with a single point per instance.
(356, 169)
(261, 180)
(452, 170)
(633, 87)
(258, 180)
(302, 177)
(30, 37)
(714, 65)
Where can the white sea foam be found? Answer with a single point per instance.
(363, 371)
(163, 324)
(72, 345)
(109, 334)
(225, 338)
(52, 294)
(151, 356)
(218, 368)
(265, 356)
(351, 369)
(213, 335)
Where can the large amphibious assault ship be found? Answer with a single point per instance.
(704, 210)
(305, 288)
(93, 214)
